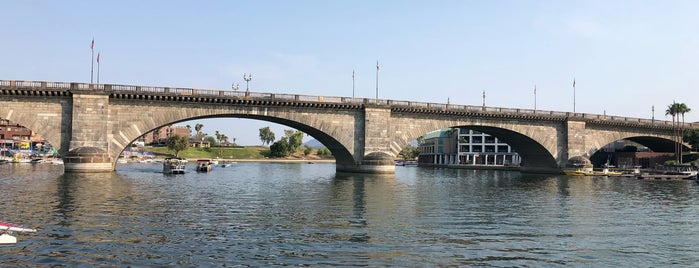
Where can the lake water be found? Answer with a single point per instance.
(281, 214)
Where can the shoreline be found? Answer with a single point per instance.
(280, 160)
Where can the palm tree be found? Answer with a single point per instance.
(156, 136)
(682, 109)
(218, 137)
(198, 128)
(673, 110)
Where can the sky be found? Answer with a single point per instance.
(628, 58)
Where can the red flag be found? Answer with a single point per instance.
(92, 45)
(98, 57)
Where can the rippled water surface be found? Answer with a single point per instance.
(276, 214)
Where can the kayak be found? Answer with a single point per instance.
(4, 226)
(6, 229)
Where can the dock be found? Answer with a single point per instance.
(648, 176)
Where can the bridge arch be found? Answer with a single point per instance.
(330, 135)
(537, 142)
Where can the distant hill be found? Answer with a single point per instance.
(315, 144)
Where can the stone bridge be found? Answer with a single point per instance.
(93, 123)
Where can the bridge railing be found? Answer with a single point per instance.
(41, 85)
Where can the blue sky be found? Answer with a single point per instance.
(625, 56)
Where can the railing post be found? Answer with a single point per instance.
(138, 89)
(108, 87)
(167, 90)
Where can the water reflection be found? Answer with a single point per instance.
(268, 214)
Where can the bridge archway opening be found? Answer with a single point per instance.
(534, 156)
(337, 149)
(644, 151)
(17, 139)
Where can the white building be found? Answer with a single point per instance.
(483, 149)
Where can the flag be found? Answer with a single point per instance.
(534, 86)
(98, 57)
(92, 45)
(352, 74)
(377, 65)
(573, 82)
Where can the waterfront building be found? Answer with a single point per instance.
(438, 147)
(164, 133)
(18, 137)
(463, 146)
(480, 148)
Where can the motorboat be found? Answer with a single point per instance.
(226, 164)
(174, 165)
(7, 230)
(204, 165)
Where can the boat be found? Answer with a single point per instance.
(204, 165)
(577, 172)
(174, 165)
(226, 164)
(7, 230)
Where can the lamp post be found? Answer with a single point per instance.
(247, 81)
(235, 86)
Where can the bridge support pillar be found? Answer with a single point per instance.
(89, 149)
(88, 159)
(575, 139)
(376, 163)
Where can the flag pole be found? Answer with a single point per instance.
(98, 67)
(573, 95)
(377, 80)
(352, 83)
(92, 59)
(534, 97)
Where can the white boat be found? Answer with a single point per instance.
(226, 164)
(204, 165)
(174, 165)
(6, 230)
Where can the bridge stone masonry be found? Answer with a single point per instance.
(92, 124)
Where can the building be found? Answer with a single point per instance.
(439, 148)
(479, 148)
(14, 136)
(462, 146)
(159, 136)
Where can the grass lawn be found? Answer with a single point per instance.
(250, 152)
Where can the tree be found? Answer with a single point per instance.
(287, 145)
(295, 139)
(692, 137)
(198, 128)
(673, 110)
(409, 152)
(266, 135)
(224, 138)
(156, 136)
(323, 152)
(681, 109)
(279, 148)
(177, 143)
(210, 139)
(218, 138)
